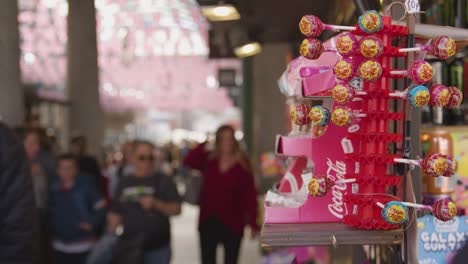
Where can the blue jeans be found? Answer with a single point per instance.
(158, 256)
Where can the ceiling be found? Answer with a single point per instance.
(277, 20)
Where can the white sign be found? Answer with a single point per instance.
(412, 6)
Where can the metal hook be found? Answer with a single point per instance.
(389, 8)
(333, 240)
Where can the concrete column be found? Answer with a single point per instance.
(86, 116)
(11, 90)
(268, 104)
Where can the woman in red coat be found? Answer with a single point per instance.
(228, 198)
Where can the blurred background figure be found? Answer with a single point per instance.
(228, 197)
(143, 203)
(121, 168)
(77, 211)
(87, 164)
(40, 181)
(16, 201)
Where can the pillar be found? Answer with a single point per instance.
(86, 116)
(11, 91)
(268, 104)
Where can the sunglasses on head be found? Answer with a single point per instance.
(146, 158)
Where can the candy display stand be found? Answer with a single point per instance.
(340, 151)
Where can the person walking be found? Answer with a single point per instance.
(142, 206)
(228, 197)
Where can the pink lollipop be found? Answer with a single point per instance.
(456, 97)
(440, 95)
(344, 116)
(312, 26)
(452, 166)
(433, 165)
(320, 184)
(442, 47)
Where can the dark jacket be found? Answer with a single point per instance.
(68, 208)
(16, 201)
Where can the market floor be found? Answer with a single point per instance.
(185, 241)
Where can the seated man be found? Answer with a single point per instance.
(143, 203)
(76, 211)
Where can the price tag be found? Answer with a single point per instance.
(412, 6)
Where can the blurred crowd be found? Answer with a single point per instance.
(118, 211)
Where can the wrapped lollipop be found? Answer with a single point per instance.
(420, 72)
(347, 44)
(343, 116)
(300, 115)
(312, 26)
(371, 47)
(452, 166)
(418, 96)
(433, 165)
(456, 97)
(442, 47)
(440, 95)
(370, 22)
(320, 184)
(396, 212)
(344, 70)
(319, 115)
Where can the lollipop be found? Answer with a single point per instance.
(456, 97)
(370, 70)
(433, 165)
(311, 48)
(396, 212)
(440, 95)
(320, 184)
(312, 26)
(421, 72)
(343, 93)
(344, 70)
(371, 47)
(319, 115)
(370, 22)
(452, 166)
(418, 96)
(346, 44)
(299, 114)
(343, 116)
(442, 47)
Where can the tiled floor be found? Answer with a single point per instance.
(185, 241)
